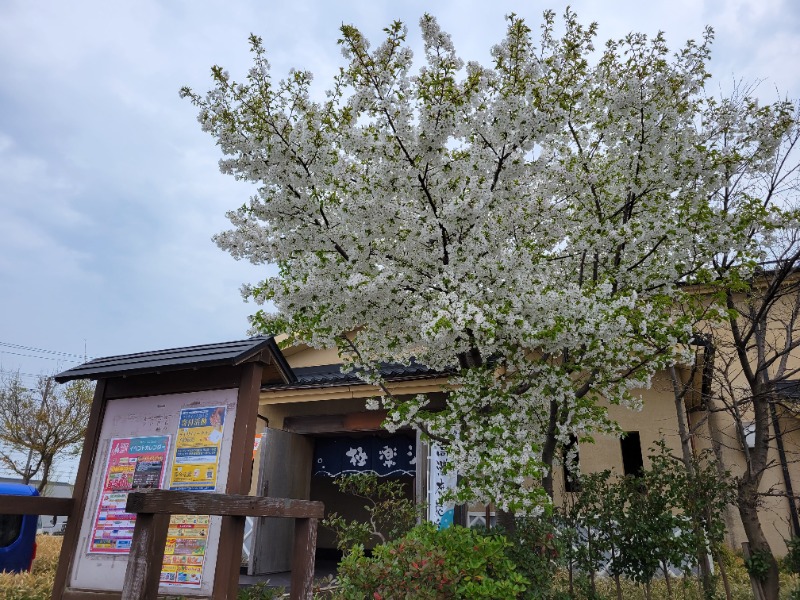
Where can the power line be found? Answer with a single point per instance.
(58, 358)
(20, 373)
(43, 351)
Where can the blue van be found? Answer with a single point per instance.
(17, 532)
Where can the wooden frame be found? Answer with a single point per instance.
(35, 505)
(154, 507)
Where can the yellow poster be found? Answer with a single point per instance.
(195, 467)
(197, 449)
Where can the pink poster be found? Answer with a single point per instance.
(133, 463)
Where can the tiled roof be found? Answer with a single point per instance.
(176, 359)
(325, 375)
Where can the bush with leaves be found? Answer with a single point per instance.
(390, 513)
(429, 564)
(635, 527)
(536, 547)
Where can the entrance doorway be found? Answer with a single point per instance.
(385, 455)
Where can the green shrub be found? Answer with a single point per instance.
(536, 549)
(390, 514)
(428, 564)
(260, 591)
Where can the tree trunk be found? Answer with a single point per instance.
(747, 496)
(679, 390)
(549, 449)
(46, 465)
(506, 521)
(724, 574)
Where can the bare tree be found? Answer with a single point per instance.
(752, 367)
(38, 426)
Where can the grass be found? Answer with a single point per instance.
(38, 584)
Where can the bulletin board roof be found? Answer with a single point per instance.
(177, 359)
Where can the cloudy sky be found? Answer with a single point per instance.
(110, 193)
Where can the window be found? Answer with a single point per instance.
(10, 528)
(632, 461)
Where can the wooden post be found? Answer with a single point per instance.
(305, 542)
(231, 536)
(80, 493)
(146, 557)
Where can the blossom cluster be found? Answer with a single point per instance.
(526, 225)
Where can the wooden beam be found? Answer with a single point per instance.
(69, 546)
(80, 594)
(173, 382)
(351, 422)
(35, 505)
(146, 557)
(232, 505)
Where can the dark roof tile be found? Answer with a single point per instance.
(332, 375)
(176, 359)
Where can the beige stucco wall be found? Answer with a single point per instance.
(657, 418)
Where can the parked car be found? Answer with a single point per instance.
(17, 532)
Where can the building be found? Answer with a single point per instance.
(313, 424)
(324, 412)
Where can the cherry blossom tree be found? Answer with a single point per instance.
(523, 225)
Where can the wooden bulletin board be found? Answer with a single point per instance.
(151, 414)
(173, 441)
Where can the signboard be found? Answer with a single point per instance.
(440, 512)
(133, 463)
(383, 456)
(168, 438)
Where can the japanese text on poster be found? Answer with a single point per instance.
(197, 449)
(133, 463)
(194, 468)
(185, 550)
(440, 483)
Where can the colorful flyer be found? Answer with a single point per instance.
(133, 463)
(194, 468)
(197, 449)
(185, 550)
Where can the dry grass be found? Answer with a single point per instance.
(681, 588)
(38, 584)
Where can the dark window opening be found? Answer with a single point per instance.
(632, 461)
(10, 528)
(570, 462)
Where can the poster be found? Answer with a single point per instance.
(197, 449)
(133, 463)
(195, 467)
(185, 550)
